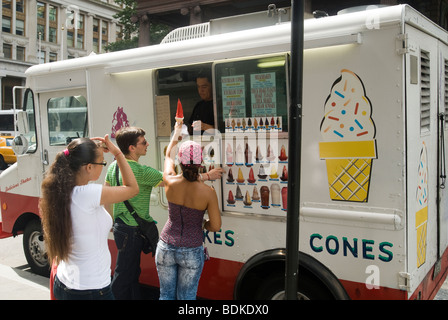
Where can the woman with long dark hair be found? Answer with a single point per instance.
(75, 224)
(180, 253)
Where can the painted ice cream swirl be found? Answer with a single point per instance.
(348, 111)
(422, 186)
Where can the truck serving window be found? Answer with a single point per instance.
(177, 83)
(252, 94)
(67, 119)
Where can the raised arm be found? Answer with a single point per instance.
(169, 166)
(130, 187)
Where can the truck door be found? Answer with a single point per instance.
(421, 153)
(63, 117)
(443, 147)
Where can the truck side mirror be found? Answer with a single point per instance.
(20, 145)
(22, 122)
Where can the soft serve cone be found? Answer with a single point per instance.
(349, 144)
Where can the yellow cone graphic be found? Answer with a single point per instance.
(348, 168)
(421, 216)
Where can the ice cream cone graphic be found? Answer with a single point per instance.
(421, 216)
(421, 219)
(349, 165)
(349, 145)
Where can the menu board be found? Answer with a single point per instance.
(233, 96)
(256, 177)
(263, 94)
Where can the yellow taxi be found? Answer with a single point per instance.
(7, 156)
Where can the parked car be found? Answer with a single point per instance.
(7, 156)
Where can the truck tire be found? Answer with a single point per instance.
(273, 288)
(263, 278)
(34, 248)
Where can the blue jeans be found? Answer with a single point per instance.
(125, 285)
(61, 292)
(179, 270)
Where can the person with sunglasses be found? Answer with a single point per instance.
(75, 223)
(130, 243)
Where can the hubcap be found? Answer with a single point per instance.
(37, 249)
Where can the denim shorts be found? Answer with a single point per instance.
(61, 292)
(179, 270)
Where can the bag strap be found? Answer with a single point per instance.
(126, 202)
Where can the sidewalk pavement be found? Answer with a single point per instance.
(17, 284)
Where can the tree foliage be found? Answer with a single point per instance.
(126, 18)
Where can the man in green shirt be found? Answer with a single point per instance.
(132, 143)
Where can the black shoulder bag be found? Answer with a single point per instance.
(148, 230)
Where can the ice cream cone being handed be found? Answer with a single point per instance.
(180, 118)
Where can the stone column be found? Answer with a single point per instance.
(88, 32)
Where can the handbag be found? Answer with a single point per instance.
(148, 230)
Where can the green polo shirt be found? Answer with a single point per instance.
(147, 178)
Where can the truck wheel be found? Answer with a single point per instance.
(273, 288)
(34, 248)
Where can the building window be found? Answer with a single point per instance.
(20, 17)
(40, 10)
(53, 35)
(7, 51)
(20, 27)
(104, 35)
(75, 35)
(20, 53)
(119, 33)
(53, 57)
(96, 47)
(7, 17)
(96, 36)
(40, 32)
(53, 21)
(80, 32)
(6, 24)
(20, 6)
(6, 4)
(70, 35)
(41, 21)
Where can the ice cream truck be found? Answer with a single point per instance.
(373, 202)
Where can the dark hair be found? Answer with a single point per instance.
(55, 202)
(190, 172)
(205, 74)
(128, 136)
